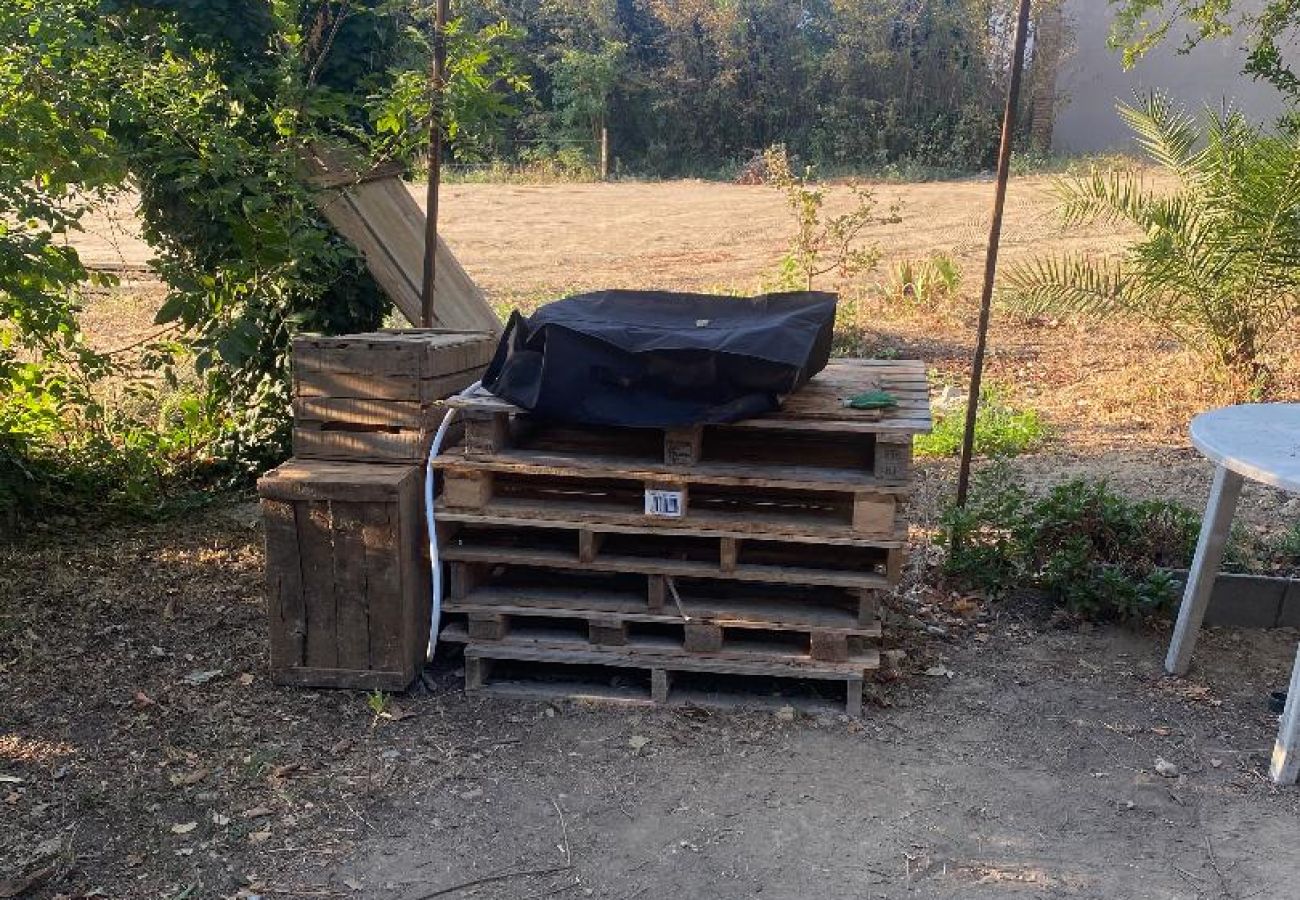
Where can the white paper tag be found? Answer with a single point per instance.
(664, 504)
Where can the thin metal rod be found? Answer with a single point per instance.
(437, 83)
(991, 259)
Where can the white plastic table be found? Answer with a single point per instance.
(1259, 441)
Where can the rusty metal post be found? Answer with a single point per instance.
(991, 258)
(437, 83)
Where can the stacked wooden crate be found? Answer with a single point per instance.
(376, 396)
(680, 560)
(347, 576)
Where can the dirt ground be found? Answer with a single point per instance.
(144, 754)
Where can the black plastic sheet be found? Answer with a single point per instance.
(650, 358)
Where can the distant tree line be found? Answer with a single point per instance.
(690, 85)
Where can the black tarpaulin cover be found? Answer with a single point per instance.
(650, 358)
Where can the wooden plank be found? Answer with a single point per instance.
(677, 568)
(386, 225)
(651, 653)
(311, 440)
(417, 601)
(512, 513)
(348, 679)
(352, 597)
(379, 538)
(404, 414)
(286, 615)
(791, 615)
(315, 536)
(377, 387)
(309, 479)
(819, 405)
(739, 474)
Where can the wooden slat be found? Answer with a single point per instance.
(775, 615)
(377, 387)
(351, 597)
(518, 514)
(309, 479)
(819, 405)
(379, 537)
(645, 651)
(285, 610)
(807, 478)
(383, 221)
(555, 559)
(312, 441)
(316, 546)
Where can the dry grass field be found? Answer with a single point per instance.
(144, 754)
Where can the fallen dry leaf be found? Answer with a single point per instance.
(257, 837)
(246, 679)
(397, 713)
(285, 770)
(187, 779)
(256, 812)
(184, 827)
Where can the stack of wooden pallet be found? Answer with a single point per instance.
(678, 564)
(347, 578)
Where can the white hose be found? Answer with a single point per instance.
(435, 564)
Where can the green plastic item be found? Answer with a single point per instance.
(872, 400)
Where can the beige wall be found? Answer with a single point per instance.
(1093, 79)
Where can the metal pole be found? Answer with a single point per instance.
(991, 259)
(437, 82)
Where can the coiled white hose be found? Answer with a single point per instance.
(435, 564)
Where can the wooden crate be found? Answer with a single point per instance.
(375, 396)
(347, 581)
(783, 530)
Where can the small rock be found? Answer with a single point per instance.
(939, 672)
(1165, 768)
(637, 741)
(184, 827)
(785, 714)
(1216, 763)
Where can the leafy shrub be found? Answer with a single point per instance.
(1001, 429)
(1094, 552)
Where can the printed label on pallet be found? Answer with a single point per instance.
(664, 504)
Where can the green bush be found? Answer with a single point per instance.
(1094, 552)
(1000, 429)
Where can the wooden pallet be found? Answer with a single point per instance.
(572, 672)
(375, 396)
(797, 561)
(751, 550)
(812, 440)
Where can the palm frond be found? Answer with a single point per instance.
(1165, 131)
(1069, 284)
